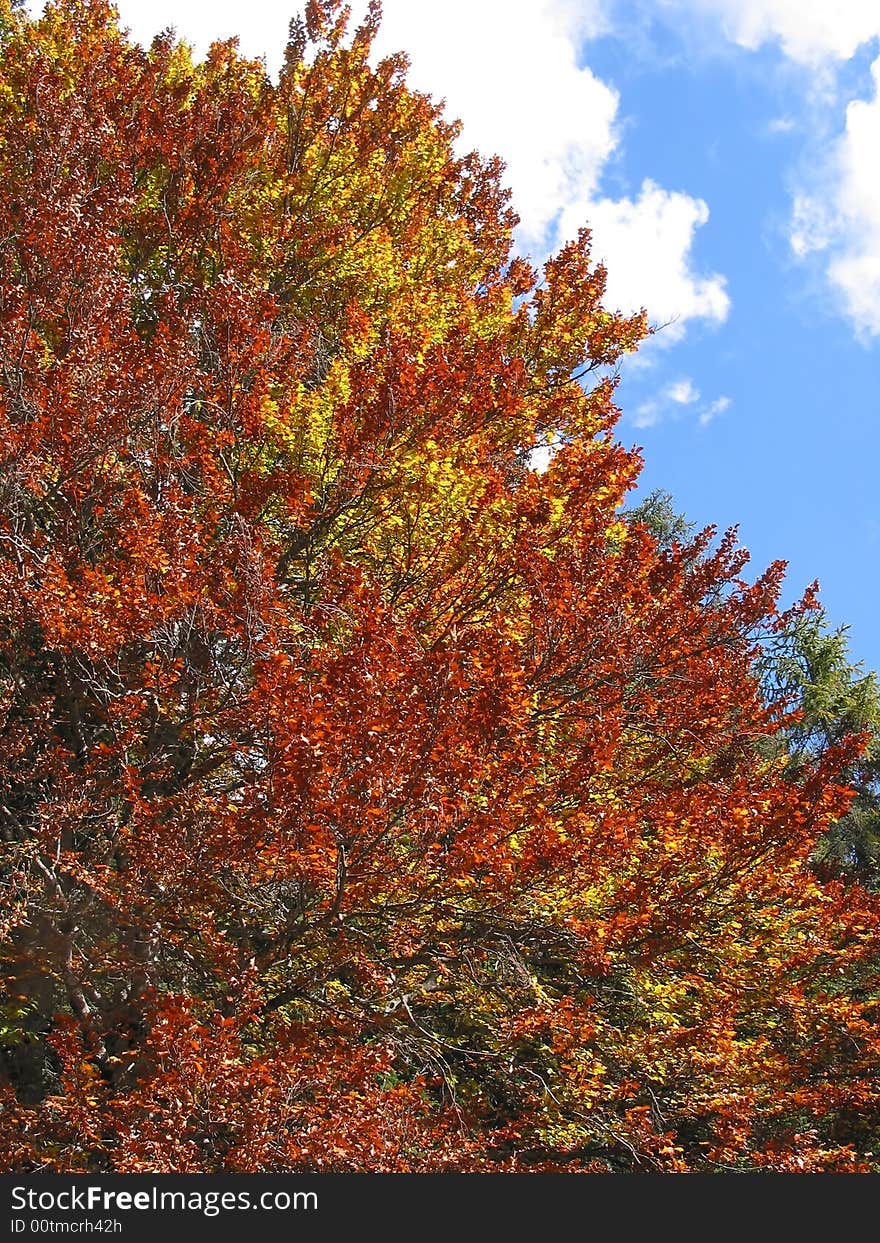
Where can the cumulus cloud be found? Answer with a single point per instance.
(646, 244)
(855, 262)
(514, 78)
(839, 214)
(261, 28)
(808, 31)
(521, 90)
(836, 202)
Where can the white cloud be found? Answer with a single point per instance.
(836, 202)
(716, 407)
(812, 226)
(808, 31)
(515, 80)
(261, 27)
(670, 401)
(646, 244)
(840, 214)
(521, 91)
(683, 392)
(647, 414)
(516, 77)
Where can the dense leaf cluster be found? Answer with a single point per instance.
(370, 800)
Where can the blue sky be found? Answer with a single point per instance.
(727, 155)
(793, 457)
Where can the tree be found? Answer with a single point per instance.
(657, 512)
(370, 800)
(808, 665)
(806, 671)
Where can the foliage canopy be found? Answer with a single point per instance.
(369, 800)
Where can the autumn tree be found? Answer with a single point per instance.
(370, 800)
